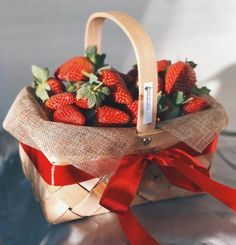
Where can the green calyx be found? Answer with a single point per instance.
(200, 91)
(191, 63)
(179, 98)
(93, 90)
(72, 87)
(97, 59)
(173, 112)
(167, 106)
(40, 84)
(163, 103)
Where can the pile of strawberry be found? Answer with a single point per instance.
(85, 91)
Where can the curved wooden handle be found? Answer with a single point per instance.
(146, 61)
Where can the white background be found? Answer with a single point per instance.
(47, 32)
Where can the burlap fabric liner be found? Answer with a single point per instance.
(98, 150)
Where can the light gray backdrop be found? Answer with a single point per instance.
(47, 32)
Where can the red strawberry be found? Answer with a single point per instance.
(58, 100)
(129, 81)
(179, 77)
(195, 105)
(161, 84)
(119, 91)
(73, 69)
(121, 94)
(55, 85)
(109, 78)
(82, 103)
(69, 114)
(162, 65)
(110, 116)
(133, 108)
(133, 73)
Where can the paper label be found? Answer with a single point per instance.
(148, 102)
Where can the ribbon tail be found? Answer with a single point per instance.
(134, 231)
(123, 185)
(224, 193)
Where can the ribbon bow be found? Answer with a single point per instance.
(180, 168)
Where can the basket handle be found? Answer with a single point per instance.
(146, 62)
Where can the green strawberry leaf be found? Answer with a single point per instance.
(102, 96)
(178, 98)
(105, 90)
(99, 99)
(82, 91)
(70, 87)
(93, 91)
(159, 96)
(97, 59)
(88, 95)
(200, 91)
(192, 64)
(40, 74)
(45, 86)
(93, 78)
(79, 95)
(47, 70)
(100, 60)
(91, 53)
(41, 93)
(173, 113)
(163, 103)
(92, 101)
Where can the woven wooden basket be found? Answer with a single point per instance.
(64, 203)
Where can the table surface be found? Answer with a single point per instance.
(188, 221)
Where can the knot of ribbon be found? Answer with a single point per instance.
(180, 167)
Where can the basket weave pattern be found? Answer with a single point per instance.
(64, 203)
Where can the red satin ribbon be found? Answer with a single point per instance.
(134, 231)
(177, 163)
(179, 167)
(58, 175)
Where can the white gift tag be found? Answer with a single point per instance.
(148, 102)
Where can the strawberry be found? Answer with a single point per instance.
(121, 94)
(133, 76)
(162, 65)
(82, 103)
(69, 114)
(73, 69)
(133, 73)
(161, 84)
(109, 78)
(56, 86)
(119, 91)
(195, 105)
(129, 81)
(179, 77)
(110, 116)
(133, 109)
(58, 100)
